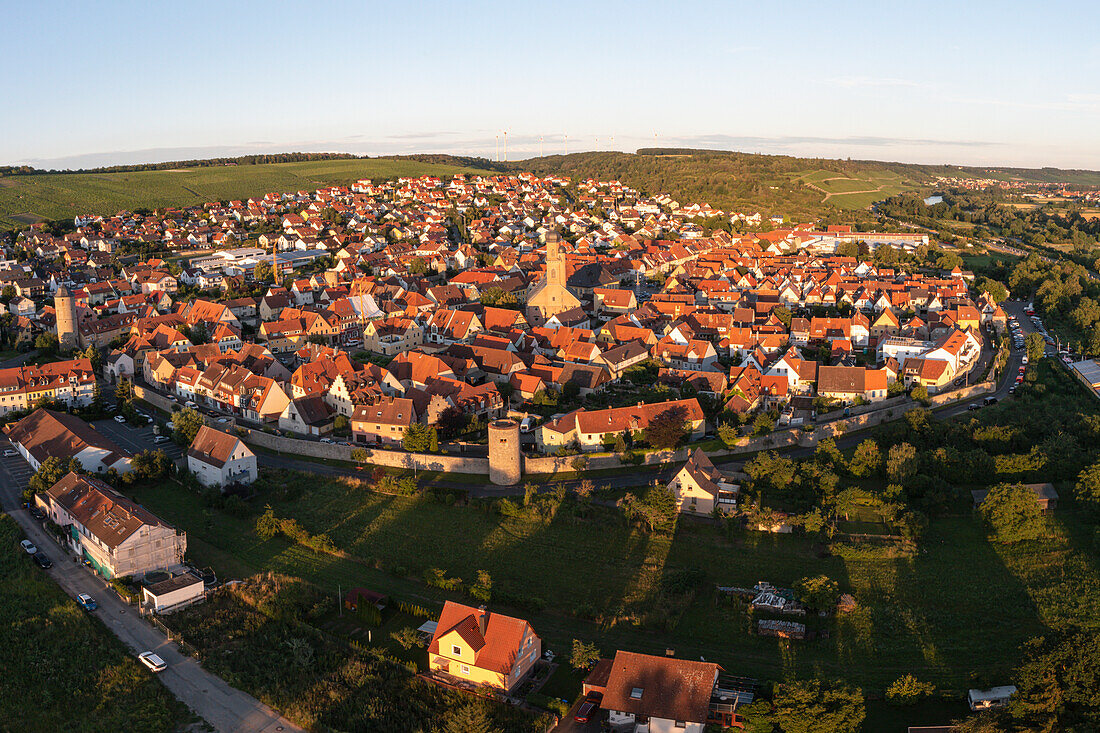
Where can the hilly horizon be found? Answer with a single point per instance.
(799, 188)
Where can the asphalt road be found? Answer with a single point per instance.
(225, 708)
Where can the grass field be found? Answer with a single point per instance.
(62, 670)
(25, 199)
(959, 607)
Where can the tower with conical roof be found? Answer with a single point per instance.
(64, 306)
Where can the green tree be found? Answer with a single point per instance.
(584, 654)
(1035, 346)
(482, 590)
(7, 294)
(866, 460)
(264, 272)
(46, 342)
(813, 706)
(908, 690)
(418, 266)
(360, 455)
(996, 290)
(470, 718)
(1012, 513)
(124, 390)
(417, 438)
(1087, 489)
(668, 429)
(49, 472)
(1058, 684)
(728, 435)
(919, 393)
(407, 638)
(901, 463)
(186, 424)
(656, 510)
(818, 592)
(762, 425)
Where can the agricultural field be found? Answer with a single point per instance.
(27, 199)
(956, 610)
(855, 190)
(63, 670)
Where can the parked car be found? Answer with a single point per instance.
(120, 418)
(990, 400)
(585, 711)
(170, 425)
(28, 547)
(973, 407)
(223, 419)
(153, 662)
(328, 441)
(161, 439)
(43, 560)
(9, 453)
(87, 602)
(37, 513)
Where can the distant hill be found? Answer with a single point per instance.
(774, 184)
(28, 198)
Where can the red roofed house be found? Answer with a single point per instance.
(220, 459)
(648, 693)
(484, 648)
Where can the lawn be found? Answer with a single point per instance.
(957, 607)
(62, 196)
(63, 670)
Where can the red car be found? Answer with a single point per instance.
(585, 711)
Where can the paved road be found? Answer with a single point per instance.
(224, 707)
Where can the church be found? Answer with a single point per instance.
(550, 297)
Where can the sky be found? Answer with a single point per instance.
(978, 82)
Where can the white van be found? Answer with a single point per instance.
(995, 697)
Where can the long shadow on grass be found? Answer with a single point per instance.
(950, 611)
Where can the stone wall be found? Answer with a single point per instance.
(378, 457)
(155, 399)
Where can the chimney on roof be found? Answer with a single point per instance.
(482, 619)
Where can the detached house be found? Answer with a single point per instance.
(220, 459)
(648, 694)
(484, 648)
(700, 488)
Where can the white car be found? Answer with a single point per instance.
(28, 547)
(9, 453)
(328, 441)
(152, 661)
(1024, 360)
(160, 439)
(120, 419)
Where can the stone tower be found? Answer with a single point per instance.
(505, 461)
(64, 306)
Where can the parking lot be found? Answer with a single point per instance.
(14, 469)
(135, 439)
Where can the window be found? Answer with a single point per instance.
(456, 650)
(636, 693)
(681, 724)
(464, 669)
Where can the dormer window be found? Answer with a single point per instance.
(636, 693)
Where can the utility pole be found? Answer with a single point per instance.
(496, 141)
(567, 145)
(540, 146)
(505, 146)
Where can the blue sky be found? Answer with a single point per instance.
(976, 82)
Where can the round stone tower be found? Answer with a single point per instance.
(64, 306)
(505, 461)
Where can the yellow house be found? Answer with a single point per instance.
(484, 648)
(699, 487)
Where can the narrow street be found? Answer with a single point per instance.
(225, 708)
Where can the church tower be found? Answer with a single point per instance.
(551, 297)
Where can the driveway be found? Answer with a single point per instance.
(569, 725)
(225, 708)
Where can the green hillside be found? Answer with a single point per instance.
(30, 198)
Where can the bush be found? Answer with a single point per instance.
(546, 702)
(908, 690)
